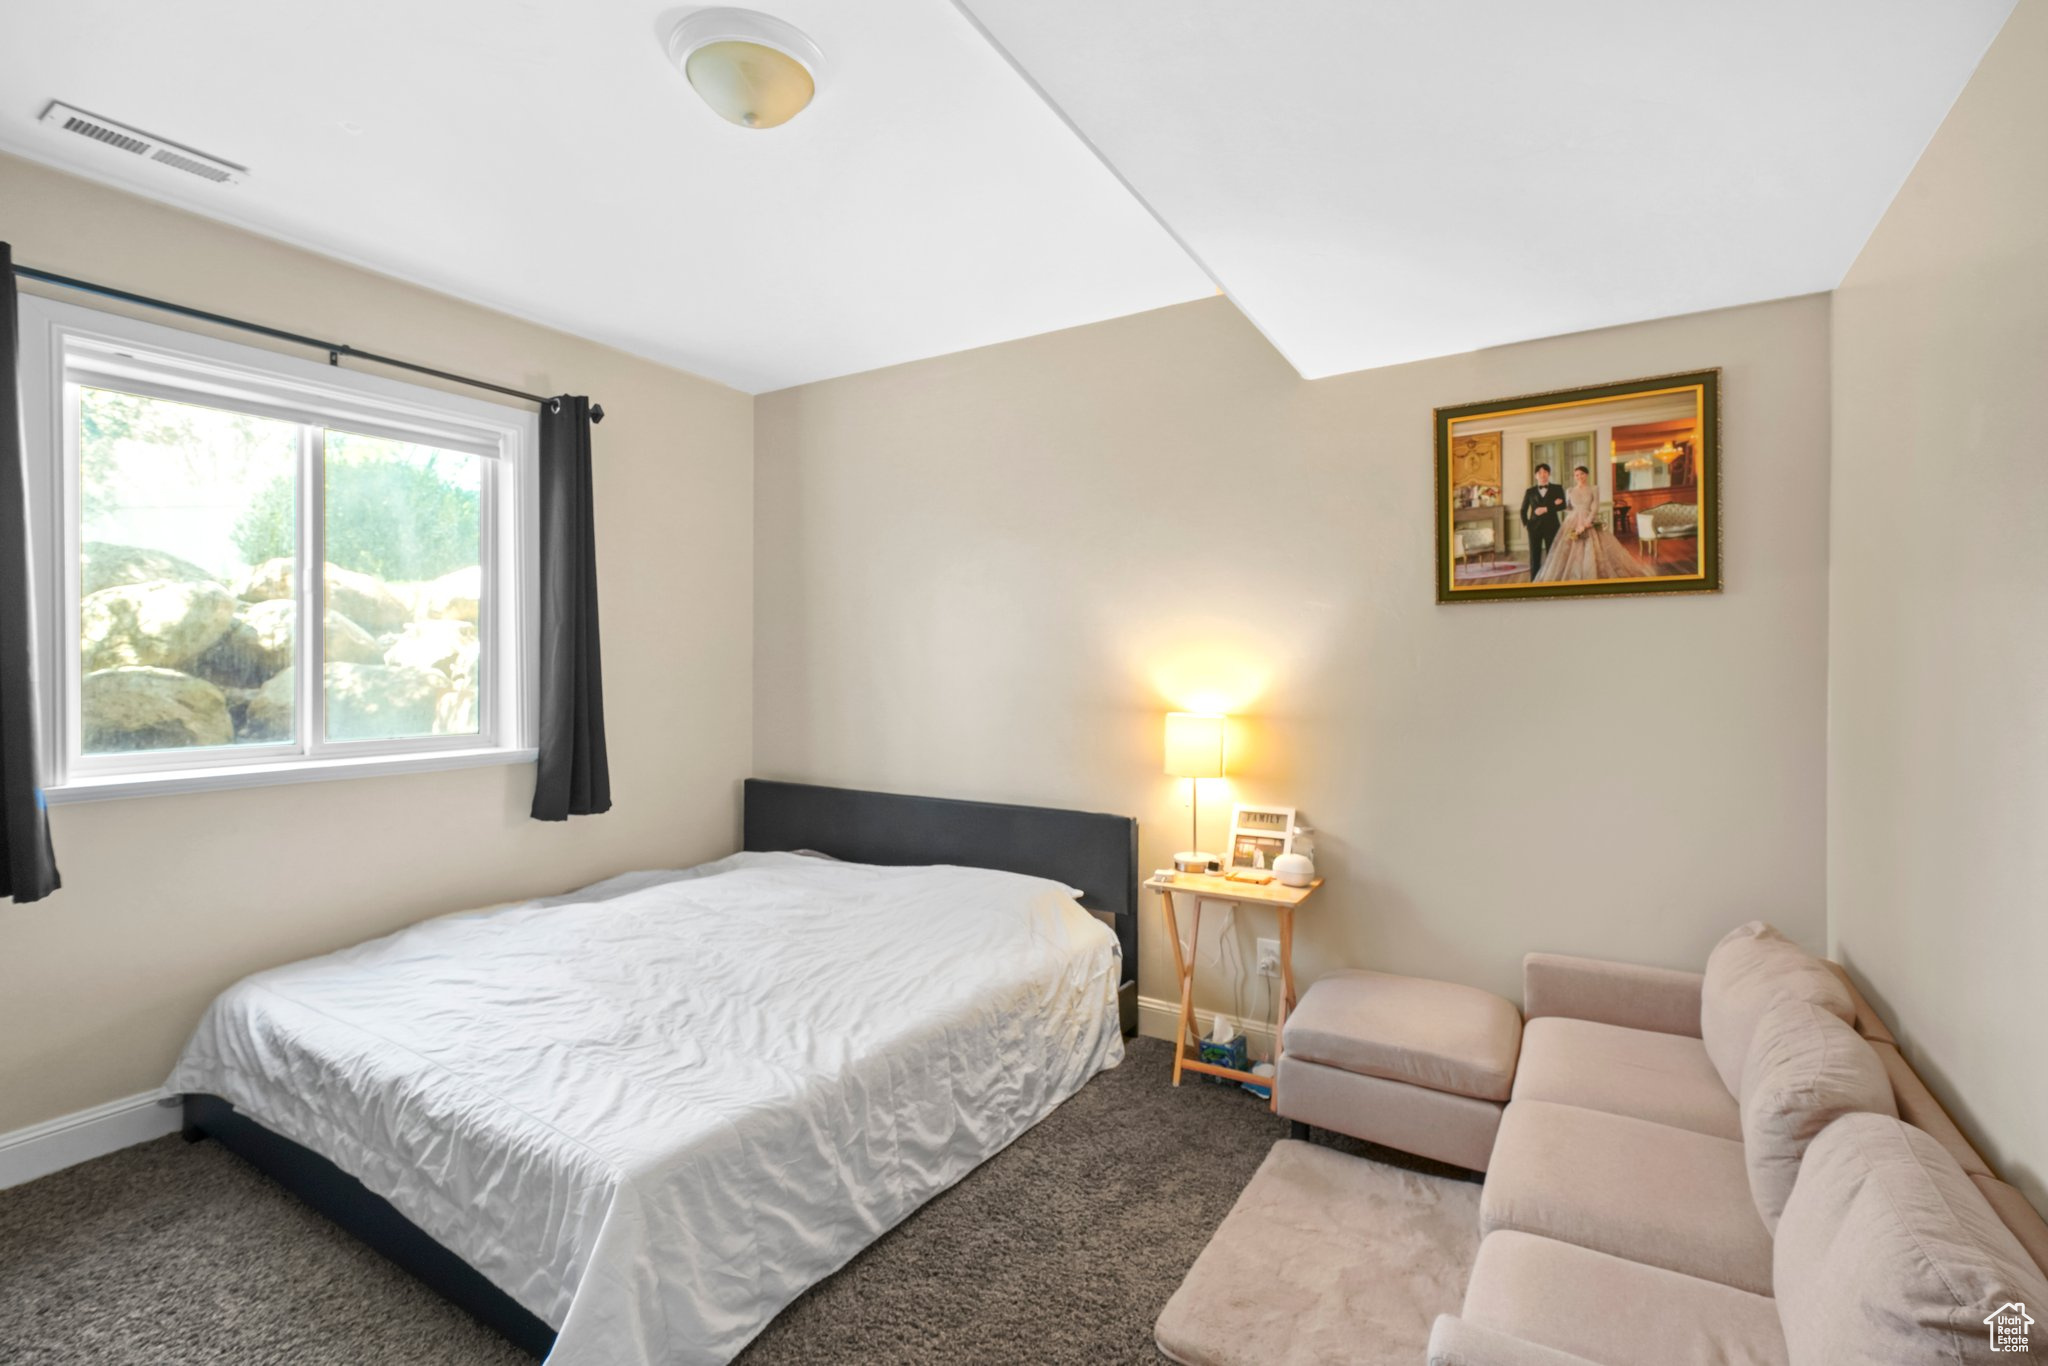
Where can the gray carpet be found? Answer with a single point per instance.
(1063, 1248)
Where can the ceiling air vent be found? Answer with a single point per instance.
(122, 138)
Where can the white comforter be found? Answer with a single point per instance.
(654, 1112)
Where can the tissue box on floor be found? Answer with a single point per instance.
(1229, 1053)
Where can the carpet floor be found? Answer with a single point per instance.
(1061, 1249)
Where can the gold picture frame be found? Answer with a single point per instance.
(1635, 508)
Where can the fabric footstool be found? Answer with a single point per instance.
(1424, 1067)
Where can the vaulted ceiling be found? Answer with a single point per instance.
(1370, 182)
(1380, 182)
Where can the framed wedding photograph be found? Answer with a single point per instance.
(1259, 834)
(1609, 490)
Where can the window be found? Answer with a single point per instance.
(256, 568)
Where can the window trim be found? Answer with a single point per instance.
(63, 344)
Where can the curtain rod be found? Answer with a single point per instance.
(335, 350)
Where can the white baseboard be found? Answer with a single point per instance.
(69, 1140)
(1158, 1016)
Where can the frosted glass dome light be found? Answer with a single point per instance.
(752, 69)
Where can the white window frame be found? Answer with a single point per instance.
(65, 346)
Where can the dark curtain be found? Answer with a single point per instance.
(28, 865)
(575, 778)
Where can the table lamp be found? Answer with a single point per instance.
(1194, 750)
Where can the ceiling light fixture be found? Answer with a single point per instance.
(752, 69)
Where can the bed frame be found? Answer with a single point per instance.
(1096, 854)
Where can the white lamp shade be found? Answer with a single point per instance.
(752, 69)
(750, 84)
(1195, 745)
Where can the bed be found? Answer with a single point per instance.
(628, 1125)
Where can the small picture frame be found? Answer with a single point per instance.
(1259, 834)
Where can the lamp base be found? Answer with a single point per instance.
(1195, 861)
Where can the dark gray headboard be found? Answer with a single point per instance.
(1095, 853)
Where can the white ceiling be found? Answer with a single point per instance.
(543, 157)
(1381, 182)
(1371, 182)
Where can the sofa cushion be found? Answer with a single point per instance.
(2020, 1218)
(1867, 1022)
(1805, 1070)
(1613, 1311)
(1888, 1252)
(1648, 1192)
(1750, 970)
(1454, 1342)
(1439, 1035)
(1918, 1107)
(1667, 1078)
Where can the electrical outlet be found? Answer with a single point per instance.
(1269, 958)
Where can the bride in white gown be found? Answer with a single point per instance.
(1584, 549)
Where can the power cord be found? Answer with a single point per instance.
(1234, 960)
(1270, 1018)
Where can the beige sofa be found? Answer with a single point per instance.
(1732, 1166)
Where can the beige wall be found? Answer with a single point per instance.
(169, 899)
(1938, 886)
(988, 575)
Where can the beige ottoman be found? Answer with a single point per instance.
(1421, 1066)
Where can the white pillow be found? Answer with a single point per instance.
(1805, 1070)
(1750, 970)
(1888, 1253)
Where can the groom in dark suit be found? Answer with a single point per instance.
(1542, 506)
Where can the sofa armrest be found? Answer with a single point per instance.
(1663, 1000)
(1454, 1342)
